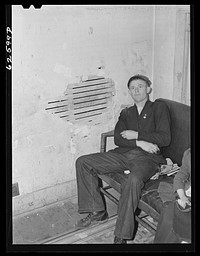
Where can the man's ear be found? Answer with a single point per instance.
(149, 89)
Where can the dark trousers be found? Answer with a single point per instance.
(173, 226)
(91, 199)
(165, 232)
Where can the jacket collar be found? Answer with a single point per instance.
(147, 104)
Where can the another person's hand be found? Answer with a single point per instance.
(129, 134)
(188, 192)
(147, 146)
(184, 201)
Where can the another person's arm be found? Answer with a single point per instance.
(181, 178)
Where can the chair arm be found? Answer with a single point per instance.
(104, 137)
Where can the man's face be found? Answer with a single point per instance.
(139, 90)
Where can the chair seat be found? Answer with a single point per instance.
(150, 201)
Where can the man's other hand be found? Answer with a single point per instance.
(147, 146)
(129, 134)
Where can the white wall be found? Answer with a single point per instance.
(53, 47)
(59, 45)
(165, 20)
(164, 47)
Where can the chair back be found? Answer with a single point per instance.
(180, 130)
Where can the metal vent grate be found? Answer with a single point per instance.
(84, 100)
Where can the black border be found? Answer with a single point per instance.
(87, 248)
(8, 126)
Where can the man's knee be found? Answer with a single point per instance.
(80, 161)
(84, 162)
(135, 180)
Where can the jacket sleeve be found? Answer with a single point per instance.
(162, 134)
(184, 173)
(119, 127)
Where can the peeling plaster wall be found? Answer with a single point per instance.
(53, 47)
(164, 51)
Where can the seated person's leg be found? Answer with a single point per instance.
(89, 197)
(182, 223)
(131, 192)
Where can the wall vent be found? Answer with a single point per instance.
(84, 100)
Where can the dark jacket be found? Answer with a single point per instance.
(153, 125)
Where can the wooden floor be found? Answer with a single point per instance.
(55, 225)
(100, 234)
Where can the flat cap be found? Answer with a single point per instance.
(138, 76)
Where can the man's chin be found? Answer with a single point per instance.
(137, 99)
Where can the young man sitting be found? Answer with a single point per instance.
(141, 131)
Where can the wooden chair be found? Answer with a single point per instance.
(150, 202)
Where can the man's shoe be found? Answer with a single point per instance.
(92, 218)
(118, 240)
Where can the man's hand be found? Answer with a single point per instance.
(147, 146)
(129, 134)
